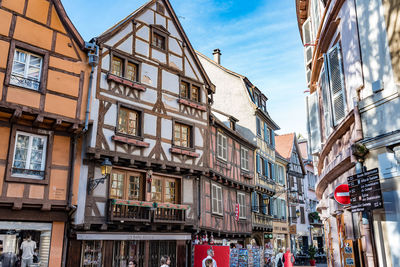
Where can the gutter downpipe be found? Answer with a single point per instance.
(92, 50)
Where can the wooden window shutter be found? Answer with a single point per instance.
(258, 163)
(307, 39)
(254, 200)
(336, 82)
(299, 185)
(266, 168)
(302, 217)
(273, 138)
(265, 132)
(273, 172)
(313, 123)
(326, 101)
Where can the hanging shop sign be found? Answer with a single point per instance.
(342, 194)
(237, 211)
(365, 191)
(292, 229)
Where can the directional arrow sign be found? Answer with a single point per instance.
(342, 194)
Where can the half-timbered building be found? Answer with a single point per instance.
(287, 147)
(256, 125)
(226, 191)
(44, 79)
(150, 125)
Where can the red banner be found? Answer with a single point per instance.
(237, 211)
(221, 255)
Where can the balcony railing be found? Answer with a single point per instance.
(262, 220)
(143, 211)
(169, 215)
(128, 211)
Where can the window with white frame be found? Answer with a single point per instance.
(26, 69)
(244, 158)
(216, 196)
(241, 198)
(29, 159)
(222, 146)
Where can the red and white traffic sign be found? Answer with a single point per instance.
(342, 194)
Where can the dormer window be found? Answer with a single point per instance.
(158, 41)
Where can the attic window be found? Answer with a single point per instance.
(158, 41)
(160, 8)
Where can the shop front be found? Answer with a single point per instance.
(120, 249)
(18, 239)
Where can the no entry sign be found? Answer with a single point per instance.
(342, 194)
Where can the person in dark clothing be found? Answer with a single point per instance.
(8, 259)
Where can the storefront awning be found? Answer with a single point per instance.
(131, 236)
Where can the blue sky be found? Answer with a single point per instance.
(257, 38)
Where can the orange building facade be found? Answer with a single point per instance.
(44, 79)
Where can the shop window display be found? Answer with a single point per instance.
(91, 256)
(24, 244)
(128, 251)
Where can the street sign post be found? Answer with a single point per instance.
(365, 191)
(342, 194)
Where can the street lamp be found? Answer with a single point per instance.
(298, 213)
(106, 167)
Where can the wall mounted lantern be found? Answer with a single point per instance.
(106, 167)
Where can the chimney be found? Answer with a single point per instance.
(217, 55)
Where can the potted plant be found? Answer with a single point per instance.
(312, 251)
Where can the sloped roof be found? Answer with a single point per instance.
(303, 148)
(284, 144)
(120, 25)
(68, 23)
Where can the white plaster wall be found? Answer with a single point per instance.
(82, 191)
(160, 20)
(230, 89)
(172, 29)
(374, 46)
(170, 102)
(350, 51)
(187, 196)
(376, 109)
(166, 129)
(126, 46)
(150, 125)
(101, 189)
(146, 151)
(147, 17)
(175, 62)
(170, 82)
(159, 56)
(149, 96)
(174, 46)
(188, 70)
(144, 33)
(113, 40)
(111, 116)
(142, 47)
(105, 62)
(108, 134)
(198, 138)
(191, 60)
(151, 72)
(166, 148)
(103, 81)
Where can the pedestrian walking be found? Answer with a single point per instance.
(288, 259)
(279, 259)
(165, 261)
